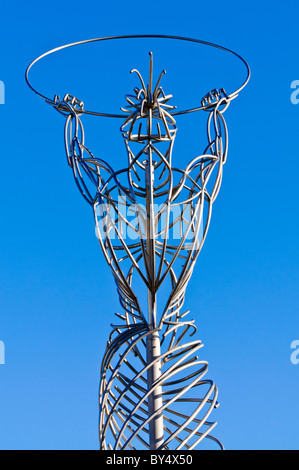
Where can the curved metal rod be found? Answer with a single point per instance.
(230, 96)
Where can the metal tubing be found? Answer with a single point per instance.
(155, 401)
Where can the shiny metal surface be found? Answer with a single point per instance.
(154, 393)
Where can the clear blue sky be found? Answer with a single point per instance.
(57, 297)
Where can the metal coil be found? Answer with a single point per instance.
(124, 417)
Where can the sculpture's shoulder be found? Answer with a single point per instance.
(197, 180)
(110, 183)
(115, 183)
(186, 184)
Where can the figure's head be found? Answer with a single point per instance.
(150, 116)
(149, 133)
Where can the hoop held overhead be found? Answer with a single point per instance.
(205, 104)
(151, 220)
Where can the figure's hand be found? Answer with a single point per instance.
(69, 105)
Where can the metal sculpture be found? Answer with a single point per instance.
(152, 220)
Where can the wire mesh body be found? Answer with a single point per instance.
(152, 220)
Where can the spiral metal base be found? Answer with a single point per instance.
(188, 398)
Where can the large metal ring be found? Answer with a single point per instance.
(158, 36)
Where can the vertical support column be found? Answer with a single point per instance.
(153, 345)
(155, 401)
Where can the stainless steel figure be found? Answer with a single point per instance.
(152, 219)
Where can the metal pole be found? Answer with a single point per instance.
(155, 399)
(153, 341)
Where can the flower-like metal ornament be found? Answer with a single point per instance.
(152, 104)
